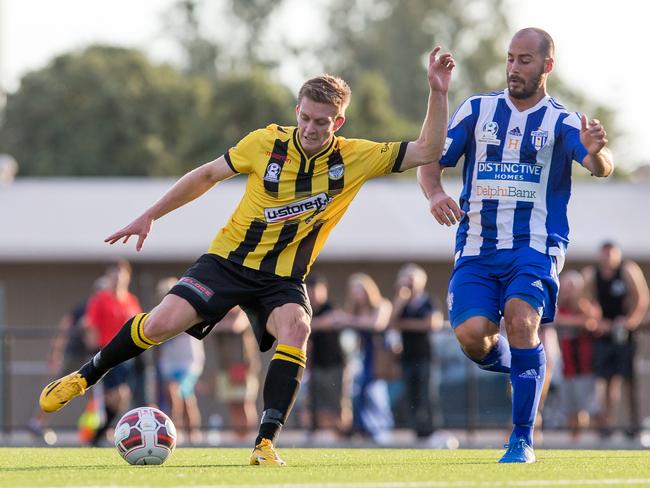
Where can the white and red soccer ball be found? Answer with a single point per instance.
(145, 435)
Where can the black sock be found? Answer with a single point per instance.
(101, 431)
(280, 389)
(128, 343)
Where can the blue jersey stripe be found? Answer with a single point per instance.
(558, 192)
(521, 226)
(501, 117)
(489, 225)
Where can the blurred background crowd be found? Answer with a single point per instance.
(381, 362)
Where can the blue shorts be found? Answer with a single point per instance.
(185, 378)
(481, 285)
(118, 375)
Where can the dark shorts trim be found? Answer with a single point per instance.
(214, 285)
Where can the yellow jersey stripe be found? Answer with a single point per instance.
(288, 233)
(251, 240)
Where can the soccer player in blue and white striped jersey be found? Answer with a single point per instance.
(518, 145)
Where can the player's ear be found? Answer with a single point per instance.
(297, 110)
(548, 65)
(340, 120)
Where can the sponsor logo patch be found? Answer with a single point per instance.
(203, 291)
(316, 204)
(493, 170)
(506, 192)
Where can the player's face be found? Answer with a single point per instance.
(317, 123)
(526, 68)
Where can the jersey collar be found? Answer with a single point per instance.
(527, 111)
(296, 142)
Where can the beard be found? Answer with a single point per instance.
(527, 88)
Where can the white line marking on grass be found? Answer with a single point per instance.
(432, 484)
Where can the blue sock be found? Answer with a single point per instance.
(498, 359)
(527, 376)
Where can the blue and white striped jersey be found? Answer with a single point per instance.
(517, 173)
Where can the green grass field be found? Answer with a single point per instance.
(363, 468)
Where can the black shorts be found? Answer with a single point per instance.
(214, 285)
(613, 359)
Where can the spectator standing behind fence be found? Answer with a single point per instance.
(181, 361)
(368, 312)
(329, 409)
(238, 372)
(576, 319)
(415, 317)
(621, 290)
(67, 350)
(107, 310)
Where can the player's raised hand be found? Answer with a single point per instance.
(439, 71)
(592, 135)
(445, 209)
(139, 227)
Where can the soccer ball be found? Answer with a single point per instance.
(145, 436)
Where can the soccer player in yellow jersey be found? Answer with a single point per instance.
(300, 181)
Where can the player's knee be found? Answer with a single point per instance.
(474, 342)
(522, 329)
(295, 330)
(157, 329)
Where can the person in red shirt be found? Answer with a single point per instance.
(576, 319)
(106, 311)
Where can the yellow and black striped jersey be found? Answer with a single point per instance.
(292, 202)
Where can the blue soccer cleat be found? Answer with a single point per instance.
(518, 451)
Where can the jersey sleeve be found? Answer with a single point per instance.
(240, 158)
(459, 130)
(571, 137)
(380, 158)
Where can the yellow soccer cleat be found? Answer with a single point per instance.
(264, 455)
(57, 394)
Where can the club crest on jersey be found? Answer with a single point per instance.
(273, 171)
(489, 136)
(336, 172)
(538, 138)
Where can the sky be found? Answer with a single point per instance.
(601, 46)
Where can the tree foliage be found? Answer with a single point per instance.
(389, 39)
(110, 111)
(102, 111)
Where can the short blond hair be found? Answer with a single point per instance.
(327, 89)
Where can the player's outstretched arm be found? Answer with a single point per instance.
(428, 146)
(189, 187)
(443, 208)
(594, 138)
